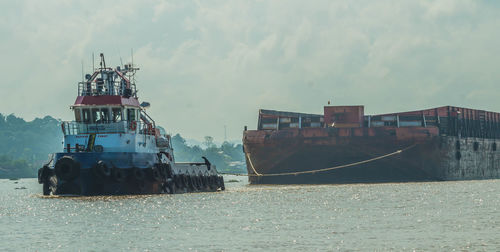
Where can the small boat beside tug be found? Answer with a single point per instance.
(115, 148)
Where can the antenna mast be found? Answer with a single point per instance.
(103, 62)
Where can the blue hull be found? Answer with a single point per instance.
(93, 173)
(116, 159)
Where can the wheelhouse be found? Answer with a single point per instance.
(107, 103)
(106, 114)
(109, 119)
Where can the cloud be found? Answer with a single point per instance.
(161, 8)
(447, 8)
(206, 64)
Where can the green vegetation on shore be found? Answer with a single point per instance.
(25, 146)
(15, 168)
(227, 157)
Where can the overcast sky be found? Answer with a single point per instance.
(206, 64)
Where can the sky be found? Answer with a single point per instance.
(207, 66)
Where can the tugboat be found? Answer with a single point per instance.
(115, 148)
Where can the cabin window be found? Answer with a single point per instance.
(117, 114)
(131, 115)
(99, 115)
(78, 115)
(86, 115)
(105, 115)
(95, 115)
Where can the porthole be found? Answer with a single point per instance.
(476, 146)
(458, 155)
(494, 147)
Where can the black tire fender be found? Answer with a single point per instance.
(178, 181)
(120, 175)
(43, 174)
(221, 182)
(46, 189)
(199, 182)
(101, 169)
(157, 173)
(168, 171)
(67, 168)
(187, 182)
(169, 187)
(194, 182)
(212, 182)
(204, 180)
(138, 173)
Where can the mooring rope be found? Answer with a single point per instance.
(251, 165)
(318, 170)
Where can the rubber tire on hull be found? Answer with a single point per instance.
(204, 181)
(169, 187)
(163, 171)
(67, 168)
(101, 170)
(213, 182)
(192, 183)
(178, 181)
(119, 175)
(156, 173)
(138, 174)
(186, 182)
(50, 185)
(43, 174)
(221, 183)
(40, 175)
(199, 183)
(46, 188)
(168, 171)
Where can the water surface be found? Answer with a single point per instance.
(435, 216)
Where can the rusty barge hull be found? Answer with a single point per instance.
(446, 143)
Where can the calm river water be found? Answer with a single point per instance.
(440, 216)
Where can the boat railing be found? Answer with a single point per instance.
(93, 89)
(137, 127)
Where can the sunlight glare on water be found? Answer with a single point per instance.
(404, 216)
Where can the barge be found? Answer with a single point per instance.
(343, 145)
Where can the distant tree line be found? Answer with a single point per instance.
(25, 147)
(227, 157)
